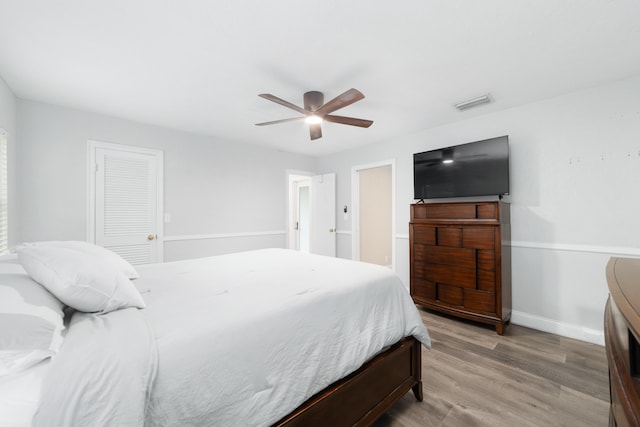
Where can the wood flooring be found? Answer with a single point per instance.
(474, 377)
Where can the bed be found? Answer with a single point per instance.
(266, 337)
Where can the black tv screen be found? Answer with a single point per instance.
(475, 169)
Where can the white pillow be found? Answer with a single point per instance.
(79, 279)
(31, 319)
(108, 256)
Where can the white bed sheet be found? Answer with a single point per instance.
(245, 338)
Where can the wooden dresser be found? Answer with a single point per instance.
(460, 257)
(621, 334)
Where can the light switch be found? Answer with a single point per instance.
(167, 217)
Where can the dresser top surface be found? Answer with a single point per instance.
(623, 278)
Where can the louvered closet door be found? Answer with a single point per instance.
(126, 204)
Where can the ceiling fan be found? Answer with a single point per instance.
(315, 111)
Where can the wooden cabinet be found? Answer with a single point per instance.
(460, 258)
(622, 340)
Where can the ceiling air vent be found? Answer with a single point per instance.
(475, 102)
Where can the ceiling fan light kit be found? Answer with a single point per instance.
(315, 110)
(313, 119)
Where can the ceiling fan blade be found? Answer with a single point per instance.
(315, 131)
(348, 121)
(283, 102)
(280, 121)
(340, 101)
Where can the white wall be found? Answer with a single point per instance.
(8, 122)
(222, 196)
(575, 171)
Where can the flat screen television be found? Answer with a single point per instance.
(475, 169)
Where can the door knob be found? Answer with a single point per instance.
(332, 230)
(151, 237)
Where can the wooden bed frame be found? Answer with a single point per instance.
(360, 398)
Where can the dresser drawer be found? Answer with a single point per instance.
(420, 252)
(486, 280)
(423, 234)
(459, 257)
(462, 211)
(478, 237)
(419, 270)
(450, 294)
(450, 275)
(486, 259)
(423, 289)
(488, 211)
(480, 300)
(449, 236)
(455, 211)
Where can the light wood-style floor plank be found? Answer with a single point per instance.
(474, 377)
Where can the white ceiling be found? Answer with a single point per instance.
(198, 65)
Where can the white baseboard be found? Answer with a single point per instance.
(559, 328)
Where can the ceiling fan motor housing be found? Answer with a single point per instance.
(313, 100)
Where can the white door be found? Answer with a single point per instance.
(323, 215)
(128, 201)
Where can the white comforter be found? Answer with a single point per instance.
(240, 339)
(103, 373)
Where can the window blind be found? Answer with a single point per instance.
(4, 232)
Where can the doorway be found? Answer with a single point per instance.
(311, 213)
(373, 198)
(299, 212)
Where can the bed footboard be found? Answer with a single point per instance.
(360, 398)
